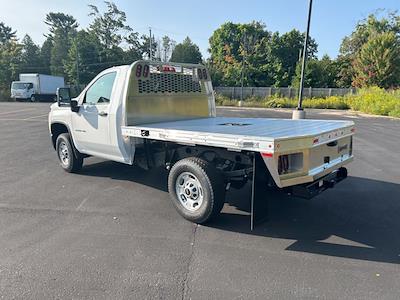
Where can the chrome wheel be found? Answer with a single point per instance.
(63, 153)
(189, 191)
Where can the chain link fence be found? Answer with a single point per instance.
(287, 92)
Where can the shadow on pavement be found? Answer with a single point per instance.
(358, 219)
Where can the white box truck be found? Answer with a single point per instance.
(156, 115)
(35, 87)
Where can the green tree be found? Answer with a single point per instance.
(345, 71)
(168, 46)
(6, 34)
(83, 61)
(368, 27)
(251, 51)
(186, 52)
(30, 57)
(351, 45)
(318, 73)
(60, 23)
(285, 51)
(378, 62)
(10, 57)
(240, 51)
(109, 26)
(10, 53)
(45, 55)
(145, 46)
(62, 29)
(134, 51)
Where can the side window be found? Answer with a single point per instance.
(100, 91)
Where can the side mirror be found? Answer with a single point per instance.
(63, 96)
(74, 105)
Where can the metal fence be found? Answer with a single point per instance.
(288, 92)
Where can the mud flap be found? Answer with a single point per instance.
(259, 192)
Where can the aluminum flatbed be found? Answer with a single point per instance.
(252, 134)
(163, 115)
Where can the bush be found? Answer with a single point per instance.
(373, 100)
(5, 95)
(376, 101)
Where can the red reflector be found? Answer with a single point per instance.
(267, 154)
(315, 141)
(353, 129)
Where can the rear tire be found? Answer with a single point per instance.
(69, 161)
(197, 189)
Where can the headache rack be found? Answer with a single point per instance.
(168, 91)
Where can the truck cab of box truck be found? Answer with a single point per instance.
(22, 90)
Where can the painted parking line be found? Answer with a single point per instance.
(36, 117)
(15, 111)
(27, 120)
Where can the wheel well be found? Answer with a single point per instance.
(56, 130)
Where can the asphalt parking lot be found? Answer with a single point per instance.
(110, 232)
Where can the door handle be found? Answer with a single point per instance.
(103, 114)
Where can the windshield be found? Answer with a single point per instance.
(21, 85)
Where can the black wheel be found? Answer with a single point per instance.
(33, 98)
(197, 189)
(68, 160)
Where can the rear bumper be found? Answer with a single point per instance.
(317, 173)
(316, 187)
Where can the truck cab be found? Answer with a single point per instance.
(153, 114)
(21, 90)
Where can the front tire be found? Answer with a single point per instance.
(69, 161)
(197, 189)
(33, 98)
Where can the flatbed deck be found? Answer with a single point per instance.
(253, 134)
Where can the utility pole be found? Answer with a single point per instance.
(244, 53)
(151, 49)
(299, 113)
(77, 67)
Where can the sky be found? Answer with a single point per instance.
(331, 19)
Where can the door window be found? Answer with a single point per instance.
(100, 91)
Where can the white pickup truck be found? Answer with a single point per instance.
(151, 114)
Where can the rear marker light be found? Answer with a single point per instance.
(315, 141)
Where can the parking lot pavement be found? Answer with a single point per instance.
(110, 231)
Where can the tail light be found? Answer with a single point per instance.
(290, 163)
(139, 70)
(146, 71)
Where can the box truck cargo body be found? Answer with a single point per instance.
(35, 87)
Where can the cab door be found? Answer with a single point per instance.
(91, 125)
